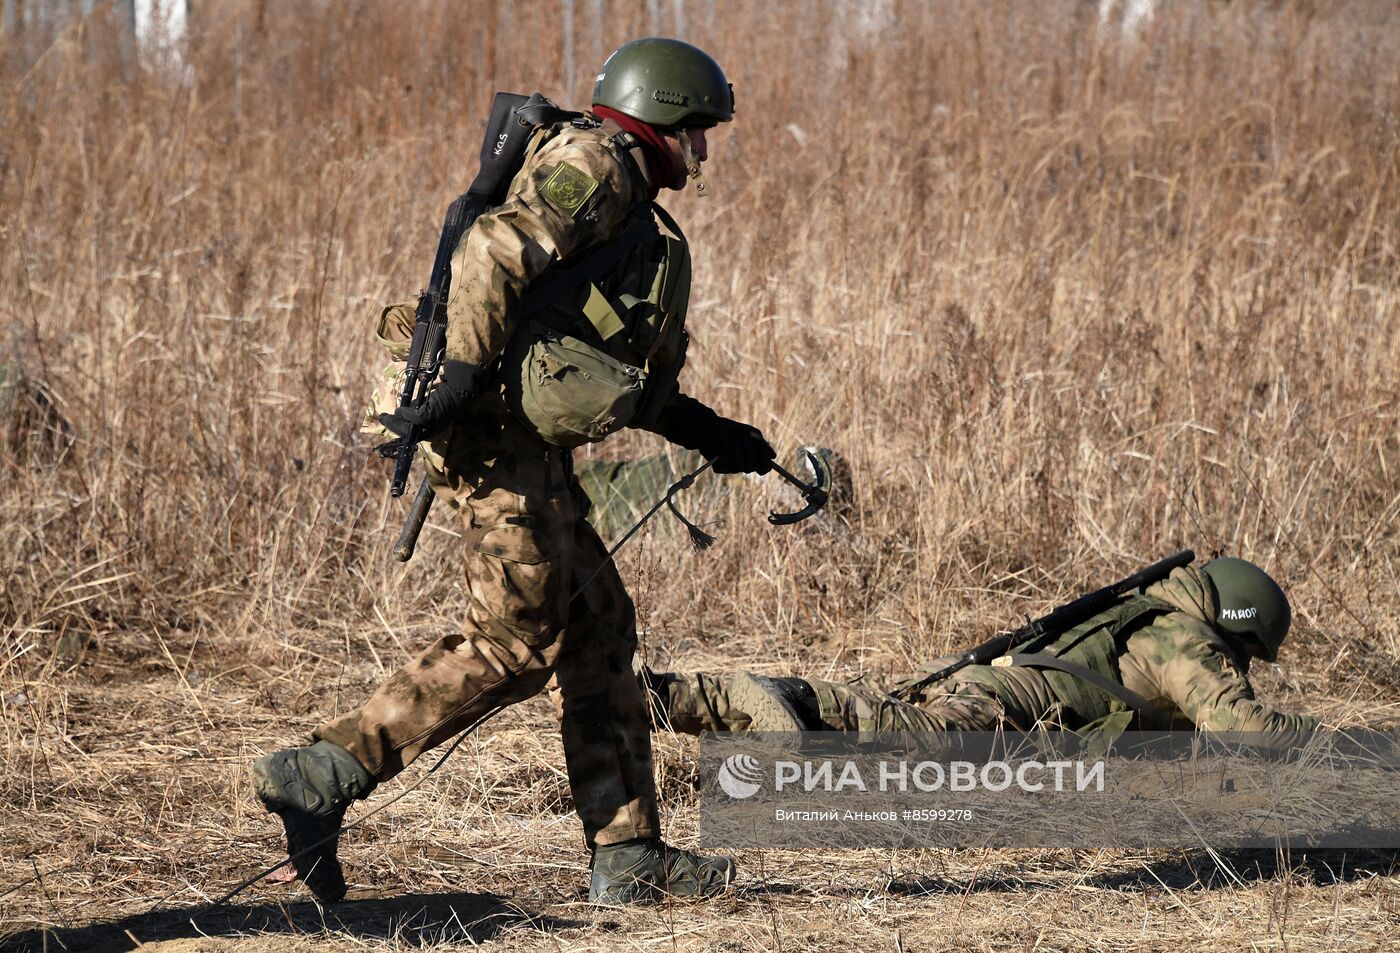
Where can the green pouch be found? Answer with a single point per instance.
(569, 392)
(394, 331)
(1100, 734)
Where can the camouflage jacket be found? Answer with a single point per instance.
(577, 191)
(1176, 660)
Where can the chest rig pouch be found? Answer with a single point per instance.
(602, 340)
(1082, 664)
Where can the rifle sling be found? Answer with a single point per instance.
(1145, 709)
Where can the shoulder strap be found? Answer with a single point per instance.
(539, 111)
(1139, 605)
(593, 265)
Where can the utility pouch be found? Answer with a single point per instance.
(394, 331)
(592, 362)
(568, 391)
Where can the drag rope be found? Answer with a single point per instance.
(684, 483)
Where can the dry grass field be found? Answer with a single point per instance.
(1067, 301)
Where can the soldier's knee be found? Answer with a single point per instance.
(594, 708)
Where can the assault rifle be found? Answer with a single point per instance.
(513, 118)
(1054, 623)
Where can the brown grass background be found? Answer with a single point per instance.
(1067, 301)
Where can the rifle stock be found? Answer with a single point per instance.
(417, 516)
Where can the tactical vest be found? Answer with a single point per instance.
(601, 340)
(1095, 645)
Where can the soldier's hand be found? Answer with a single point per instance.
(731, 447)
(740, 448)
(457, 385)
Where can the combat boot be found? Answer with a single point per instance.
(744, 702)
(649, 870)
(309, 789)
(769, 704)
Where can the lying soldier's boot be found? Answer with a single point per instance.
(309, 789)
(765, 701)
(656, 689)
(694, 702)
(649, 870)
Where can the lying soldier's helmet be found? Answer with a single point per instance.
(666, 83)
(1252, 607)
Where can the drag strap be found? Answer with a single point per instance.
(1145, 709)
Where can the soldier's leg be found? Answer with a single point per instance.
(863, 706)
(517, 565)
(689, 702)
(607, 746)
(607, 742)
(518, 562)
(963, 707)
(692, 702)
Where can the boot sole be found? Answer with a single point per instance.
(767, 710)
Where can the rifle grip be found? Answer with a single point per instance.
(417, 516)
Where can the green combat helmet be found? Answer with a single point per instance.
(665, 83)
(1251, 605)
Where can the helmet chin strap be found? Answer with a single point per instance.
(692, 163)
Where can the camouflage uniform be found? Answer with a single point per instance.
(1167, 652)
(528, 546)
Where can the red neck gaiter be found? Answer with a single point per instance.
(665, 169)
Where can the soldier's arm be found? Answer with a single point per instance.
(1206, 685)
(572, 195)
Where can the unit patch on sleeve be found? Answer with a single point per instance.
(568, 188)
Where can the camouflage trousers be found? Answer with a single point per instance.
(864, 705)
(695, 701)
(527, 550)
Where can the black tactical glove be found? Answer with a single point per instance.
(457, 385)
(730, 446)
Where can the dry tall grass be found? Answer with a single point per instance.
(1067, 303)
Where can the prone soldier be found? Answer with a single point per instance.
(1174, 655)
